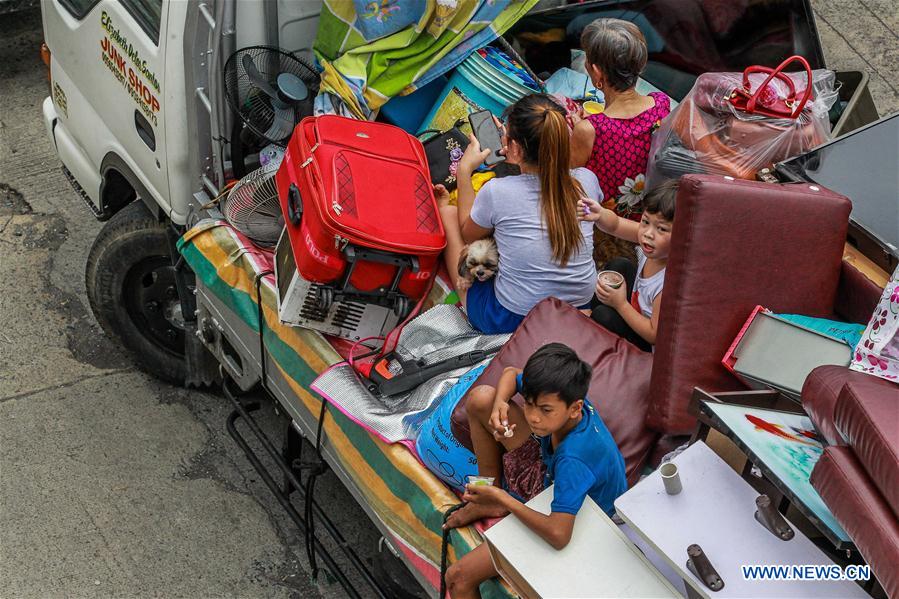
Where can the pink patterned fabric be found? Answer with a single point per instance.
(878, 351)
(621, 152)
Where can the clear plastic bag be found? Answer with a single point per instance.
(740, 123)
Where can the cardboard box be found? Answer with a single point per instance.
(598, 562)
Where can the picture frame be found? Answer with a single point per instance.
(784, 446)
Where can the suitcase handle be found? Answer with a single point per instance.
(294, 205)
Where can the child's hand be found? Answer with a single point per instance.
(577, 117)
(589, 210)
(472, 158)
(485, 495)
(499, 420)
(614, 298)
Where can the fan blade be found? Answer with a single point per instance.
(258, 80)
(283, 124)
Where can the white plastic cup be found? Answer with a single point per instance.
(671, 478)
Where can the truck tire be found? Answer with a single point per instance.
(131, 288)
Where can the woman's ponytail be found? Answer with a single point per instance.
(559, 191)
(538, 124)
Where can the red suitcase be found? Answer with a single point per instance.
(360, 212)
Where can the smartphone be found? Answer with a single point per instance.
(488, 134)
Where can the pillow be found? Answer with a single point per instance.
(436, 446)
(619, 387)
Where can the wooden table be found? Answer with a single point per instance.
(599, 561)
(716, 510)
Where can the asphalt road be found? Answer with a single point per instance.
(114, 484)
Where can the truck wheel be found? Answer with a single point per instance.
(131, 288)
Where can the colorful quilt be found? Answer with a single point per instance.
(404, 495)
(372, 50)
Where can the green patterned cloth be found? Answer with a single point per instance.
(372, 50)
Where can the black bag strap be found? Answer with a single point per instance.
(437, 132)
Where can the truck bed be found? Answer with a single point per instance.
(402, 498)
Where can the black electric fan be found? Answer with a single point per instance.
(270, 90)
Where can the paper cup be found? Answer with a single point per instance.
(670, 478)
(593, 107)
(610, 278)
(480, 481)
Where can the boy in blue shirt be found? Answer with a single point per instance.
(579, 455)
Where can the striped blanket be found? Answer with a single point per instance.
(407, 499)
(372, 50)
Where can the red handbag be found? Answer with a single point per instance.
(764, 100)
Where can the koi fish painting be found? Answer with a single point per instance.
(786, 446)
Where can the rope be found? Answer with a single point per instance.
(320, 466)
(315, 468)
(261, 318)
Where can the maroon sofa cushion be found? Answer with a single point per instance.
(862, 511)
(819, 398)
(867, 416)
(619, 388)
(737, 244)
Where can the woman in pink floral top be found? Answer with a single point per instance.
(615, 144)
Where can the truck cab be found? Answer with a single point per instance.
(136, 112)
(112, 105)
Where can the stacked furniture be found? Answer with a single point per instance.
(735, 245)
(858, 475)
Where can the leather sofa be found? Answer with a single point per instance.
(858, 475)
(735, 244)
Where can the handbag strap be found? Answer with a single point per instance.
(437, 132)
(747, 86)
(791, 102)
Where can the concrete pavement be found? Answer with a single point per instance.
(113, 484)
(863, 35)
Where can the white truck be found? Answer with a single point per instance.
(138, 115)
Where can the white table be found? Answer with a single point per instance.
(716, 510)
(599, 561)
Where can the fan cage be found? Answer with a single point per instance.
(253, 106)
(253, 208)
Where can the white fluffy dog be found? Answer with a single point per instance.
(478, 260)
